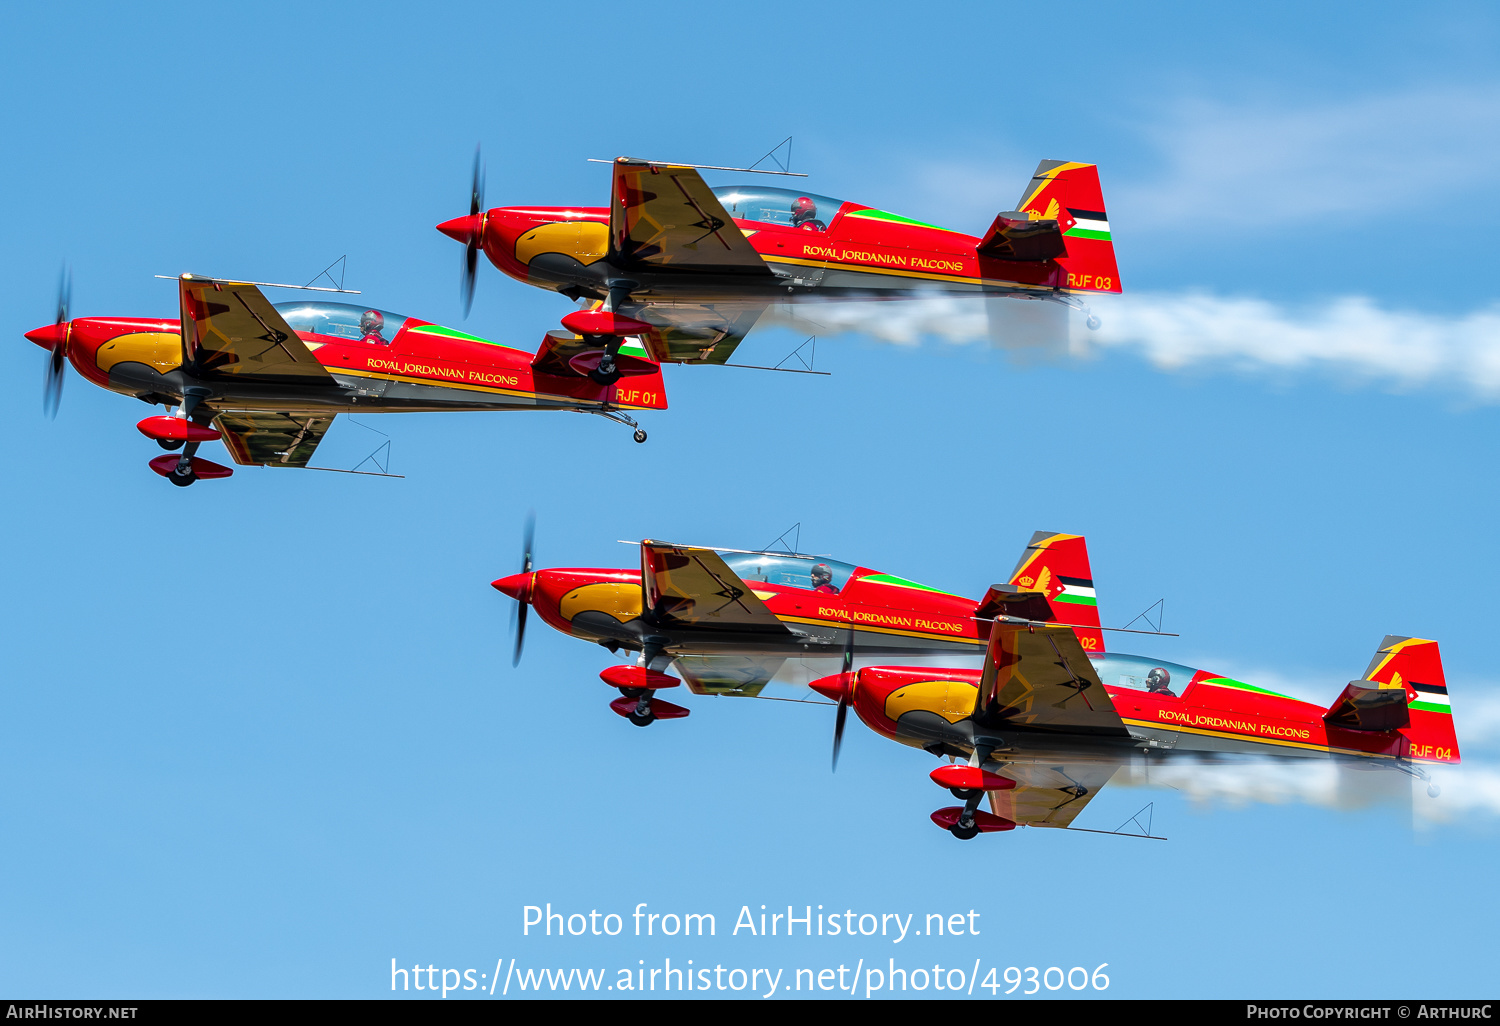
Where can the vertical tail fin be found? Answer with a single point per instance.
(1414, 665)
(1058, 566)
(1069, 194)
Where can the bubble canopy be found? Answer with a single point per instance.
(788, 570)
(788, 208)
(343, 320)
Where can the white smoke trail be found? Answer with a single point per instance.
(1467, 792)
(1350, 338)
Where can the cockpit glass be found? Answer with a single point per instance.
(343, 320)
(788, 208)
(1153, 675)
(809, 573)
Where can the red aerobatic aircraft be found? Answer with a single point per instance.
(269, 379)
(730, 619)
(1051, 716)
(690, 269)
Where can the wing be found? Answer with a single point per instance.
(229, 330)
(1049, 794)
(696, 332)
(663, 215)
(272, 439)
(1040, 679)
(728, 674)
(694, 587)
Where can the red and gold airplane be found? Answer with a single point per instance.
(731, 619)
(690, 269)
(1051, 717)
(268, 379)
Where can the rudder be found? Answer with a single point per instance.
(1069, 193)
(1416, 666)
(1058, 566)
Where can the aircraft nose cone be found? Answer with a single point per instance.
(463, 229)
(50, 336)
(517, 586)
(833, 687)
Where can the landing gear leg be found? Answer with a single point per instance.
(182, 474)
(607, 373)
(654, 656)
(966, 829)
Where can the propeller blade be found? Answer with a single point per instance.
(64, 295)
(838, 730)
(521, 607)
(52, 382)
(528, 539)
(471, 249)
(843, 713)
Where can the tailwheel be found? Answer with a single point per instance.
(640, 436)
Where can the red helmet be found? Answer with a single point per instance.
(803, 206)
(371, 320)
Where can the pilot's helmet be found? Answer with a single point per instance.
(1158, 679)
(821, 575)
(371, 321)
(803, 208)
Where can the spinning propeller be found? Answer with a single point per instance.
(524, 603)
(843, 713)
(52, 384)
(471, 247)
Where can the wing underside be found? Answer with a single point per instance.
(687, 586)
(664, 215)
(1049, 794)
(230, 330)
(272, 439)
(1039, 678)
(696, 332)
(743, 675)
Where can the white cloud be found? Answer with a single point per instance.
(1262, 165)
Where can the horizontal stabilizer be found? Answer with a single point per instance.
(1364, 705)
(1008, 600)
(1014, 236)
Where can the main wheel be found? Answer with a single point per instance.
(169, 444)
(642, 721)
(604, 378)
(182, 480)
(964, 833)
(640, 436)
(963, 794)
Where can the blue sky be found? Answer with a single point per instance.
(262, 736)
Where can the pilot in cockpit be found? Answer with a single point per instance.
(371, 327)
(805, 214)
(822, 579)
(1159, 682)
